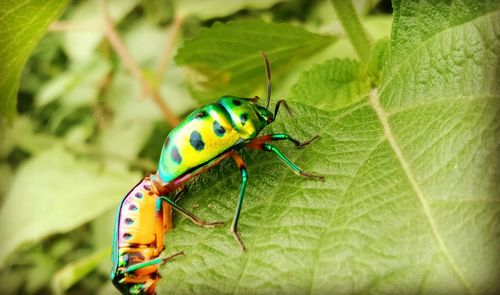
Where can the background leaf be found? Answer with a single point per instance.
(411, 200)
(342, 82)
(64, 278)
(204, 10)
(338, 83)
(57, 199)
(226, 57)
(17, 40)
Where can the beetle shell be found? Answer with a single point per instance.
(206, 133)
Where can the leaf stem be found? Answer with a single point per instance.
(353, 27)
(133, 67)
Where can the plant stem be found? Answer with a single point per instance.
(133, 67)
(353, 27)
(176, 26)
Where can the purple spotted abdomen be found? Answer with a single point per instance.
(136, 224)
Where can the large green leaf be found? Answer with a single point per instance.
(22, 24)
(411, 202)
(54, 192)
(226, 57)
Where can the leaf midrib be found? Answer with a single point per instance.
(383, 118)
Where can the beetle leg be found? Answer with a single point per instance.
(191, 216)
(269, 148)
(285, 105)
(152, 262)
(163, 222)
(178, 194)
(244, 175)
(259, 141)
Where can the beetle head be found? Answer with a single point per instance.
(265, 116)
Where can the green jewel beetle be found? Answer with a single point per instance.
(213, 133)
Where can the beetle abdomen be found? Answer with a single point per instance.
(136, 224)
(137, 239)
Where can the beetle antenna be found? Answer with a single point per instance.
(285, 104)
(268, 76)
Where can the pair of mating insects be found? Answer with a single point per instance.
(202, 140)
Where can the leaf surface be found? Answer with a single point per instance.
(338, 83)
(22, 24)
(333, 84)
(226, 60)
(411, 202)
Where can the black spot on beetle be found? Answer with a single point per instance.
(243, 118)
(138, 195)
(236, 102)
(129, 220)
(176, 157)
(201, 114)
(196, 141)
(127, 236)
(132, 207)
(218, 129)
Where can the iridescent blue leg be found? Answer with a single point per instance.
(244, 176)
(191, 216)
